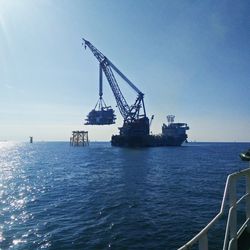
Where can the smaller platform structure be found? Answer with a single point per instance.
(79, 138)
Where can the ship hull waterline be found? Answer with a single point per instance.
(146, 141)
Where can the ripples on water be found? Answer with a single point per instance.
(54, 196)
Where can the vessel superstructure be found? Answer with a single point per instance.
(174, 133)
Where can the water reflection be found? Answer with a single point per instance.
(58, 197)
(18, 191)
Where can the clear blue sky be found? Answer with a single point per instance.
(190, 58)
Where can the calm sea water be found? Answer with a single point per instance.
(54, 196)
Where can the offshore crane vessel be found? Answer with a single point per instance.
(136, 125)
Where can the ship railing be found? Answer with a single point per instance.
(231, 232)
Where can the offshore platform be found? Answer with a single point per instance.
(135, 131)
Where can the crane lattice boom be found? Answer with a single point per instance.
(129, 113)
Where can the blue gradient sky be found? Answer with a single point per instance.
(190, 58)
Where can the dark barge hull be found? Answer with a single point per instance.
(146, 141)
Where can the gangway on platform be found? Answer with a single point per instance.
(235, 239)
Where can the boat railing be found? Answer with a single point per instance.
(231, 232)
